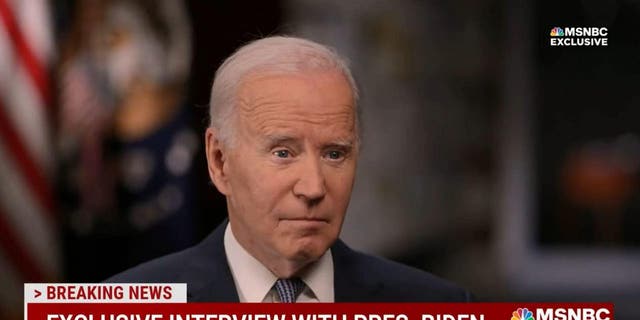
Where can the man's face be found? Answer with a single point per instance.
(291, 167)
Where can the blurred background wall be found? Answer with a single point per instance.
(490, 158)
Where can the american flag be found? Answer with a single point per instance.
(29, 244)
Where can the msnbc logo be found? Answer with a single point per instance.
(579, 37)
(557, 32)
(524, 313)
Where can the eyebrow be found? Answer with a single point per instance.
(277, 139)
(341, 143)
(280, 139)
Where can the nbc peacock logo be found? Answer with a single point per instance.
(523, 313)
(557, 32)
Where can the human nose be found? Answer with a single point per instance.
(311, 183)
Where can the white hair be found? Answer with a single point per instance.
(277, 54)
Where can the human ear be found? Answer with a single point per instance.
(216, 157)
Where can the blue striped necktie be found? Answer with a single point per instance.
(289, 289)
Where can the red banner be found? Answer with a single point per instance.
(319, 311)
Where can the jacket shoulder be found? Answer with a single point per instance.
(169, 268)
(395, 282)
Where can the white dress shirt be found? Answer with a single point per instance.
(254, 281)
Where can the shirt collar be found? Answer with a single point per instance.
(319, 278)
(254, 281)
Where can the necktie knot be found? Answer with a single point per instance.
(289, 289)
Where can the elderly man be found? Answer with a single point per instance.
(283, 147)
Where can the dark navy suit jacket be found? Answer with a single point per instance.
(357, 277)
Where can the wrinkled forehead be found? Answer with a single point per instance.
(321, 99)
(330, 87)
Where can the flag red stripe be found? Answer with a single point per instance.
(30, 170)
(33, 66)
(17, 254)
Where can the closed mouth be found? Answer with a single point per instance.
(306, 219)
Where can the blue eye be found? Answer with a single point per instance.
(334, 155)
(281, 153)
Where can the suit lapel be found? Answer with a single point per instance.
(351, 284)
(207, 275)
